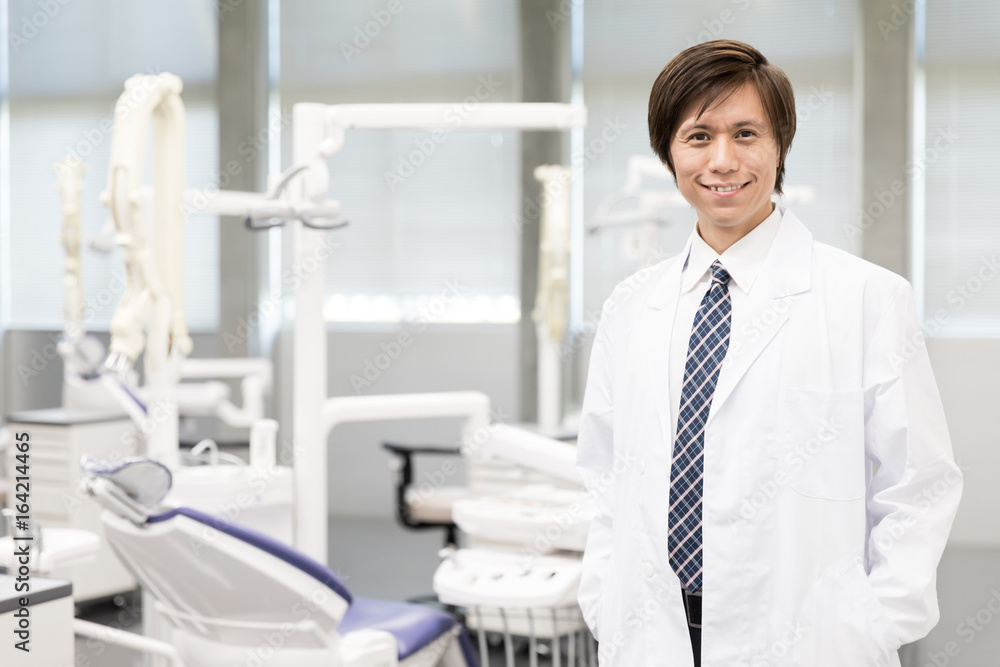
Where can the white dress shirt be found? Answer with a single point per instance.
(742, 260)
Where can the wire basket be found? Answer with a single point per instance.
(558, 634)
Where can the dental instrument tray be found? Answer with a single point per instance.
(539, 516)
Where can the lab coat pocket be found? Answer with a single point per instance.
(843, 623)
(871, 608)
(823, 442)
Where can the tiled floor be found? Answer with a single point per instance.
(380, 559)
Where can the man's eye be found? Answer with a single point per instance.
(746, 134)
(699, 136)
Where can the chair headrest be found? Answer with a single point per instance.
(145, 481)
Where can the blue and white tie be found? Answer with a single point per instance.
(706, 349)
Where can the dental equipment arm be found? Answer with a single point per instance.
(256, 380)
(552, 302)
(650, 201)
(319, 212)
(155, 274)
(534, 451)
(258, 209)
(70, 182)
(310, 482)
(82, 354)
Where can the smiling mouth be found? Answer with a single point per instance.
(727, 188)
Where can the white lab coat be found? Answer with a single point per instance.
(809, 558)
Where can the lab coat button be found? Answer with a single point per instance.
(647, 570)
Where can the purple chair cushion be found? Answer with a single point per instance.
(414, 626)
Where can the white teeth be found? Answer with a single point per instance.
(729, 189)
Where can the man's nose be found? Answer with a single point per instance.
(723, 156)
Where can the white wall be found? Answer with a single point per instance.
(967, 372)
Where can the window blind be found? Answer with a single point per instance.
(65, 76)
(962, 289)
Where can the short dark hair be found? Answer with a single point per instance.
(705, 72)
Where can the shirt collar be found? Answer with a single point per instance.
(742, 260)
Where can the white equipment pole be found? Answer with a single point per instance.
(319, 132)
(309, 365)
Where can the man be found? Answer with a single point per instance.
(761, 429)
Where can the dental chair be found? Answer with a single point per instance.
(232, 595)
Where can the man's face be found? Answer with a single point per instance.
(726, 162)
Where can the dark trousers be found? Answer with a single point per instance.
(692, 611)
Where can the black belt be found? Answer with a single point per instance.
(692, 607)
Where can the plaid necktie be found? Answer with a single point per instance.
(706, 349)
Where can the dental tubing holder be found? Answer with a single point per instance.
(155, 271)
(70, 182)
(552, 302)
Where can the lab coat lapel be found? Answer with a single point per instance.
(660, 311)
(786, 272)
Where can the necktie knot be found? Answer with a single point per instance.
(719, 273)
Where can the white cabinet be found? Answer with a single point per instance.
(58, 439)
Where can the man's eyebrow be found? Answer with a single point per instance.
(742, 123)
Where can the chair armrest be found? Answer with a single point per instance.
(402, 449)
(402, 465)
